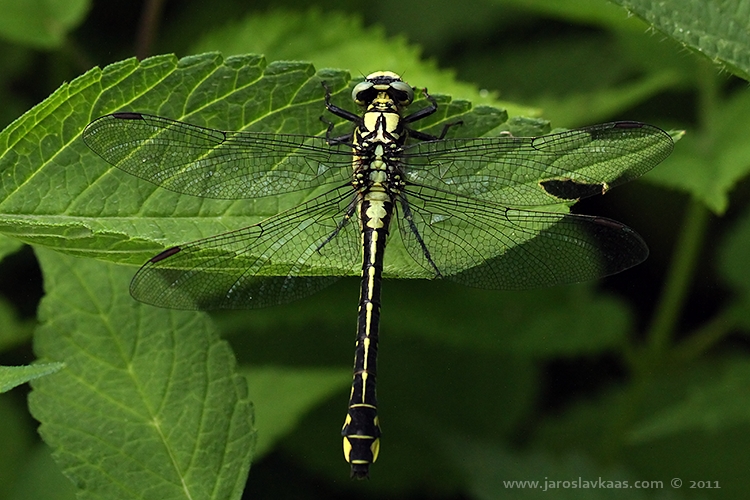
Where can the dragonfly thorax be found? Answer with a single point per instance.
(380, 135)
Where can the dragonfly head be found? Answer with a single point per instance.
(383, 85)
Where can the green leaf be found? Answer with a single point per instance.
(40, 23)
(718, 30)
(717, 403)
(13, 376)
(709, 163)
(283, 395)
(70, 199)
(149, 404)
(56, 192)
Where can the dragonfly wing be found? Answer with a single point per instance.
(539, 171)
(486, 245)
(212, 163)
(284, 258)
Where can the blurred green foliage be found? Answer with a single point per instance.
(642, 376)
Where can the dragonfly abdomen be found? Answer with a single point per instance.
(361, 429)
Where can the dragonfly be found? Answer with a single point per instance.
(479, 211)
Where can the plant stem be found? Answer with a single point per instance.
(680, 274)
(660, 334)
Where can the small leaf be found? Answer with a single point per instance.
(13, 376)
(149, 404)
(711, 163)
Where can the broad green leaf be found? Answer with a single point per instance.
(282, 396)
(709, 163)
(72, 200)
(718, 403)
(55, 192)
(718, 30)
(13, 376)
(149, 404)
(337, 40)
(40, 23)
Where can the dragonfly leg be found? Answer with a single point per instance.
(340, 112)
(409, 218)
(341, 139)
(423, 113)
(341, 225)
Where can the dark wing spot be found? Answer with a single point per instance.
(166, 253)
(568, 189)
(126, 115)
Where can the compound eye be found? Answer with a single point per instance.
(362, 93)
(404, 94)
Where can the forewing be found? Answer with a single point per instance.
(485, 245)
(538, 171)
(284, 258)
(212, 163)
